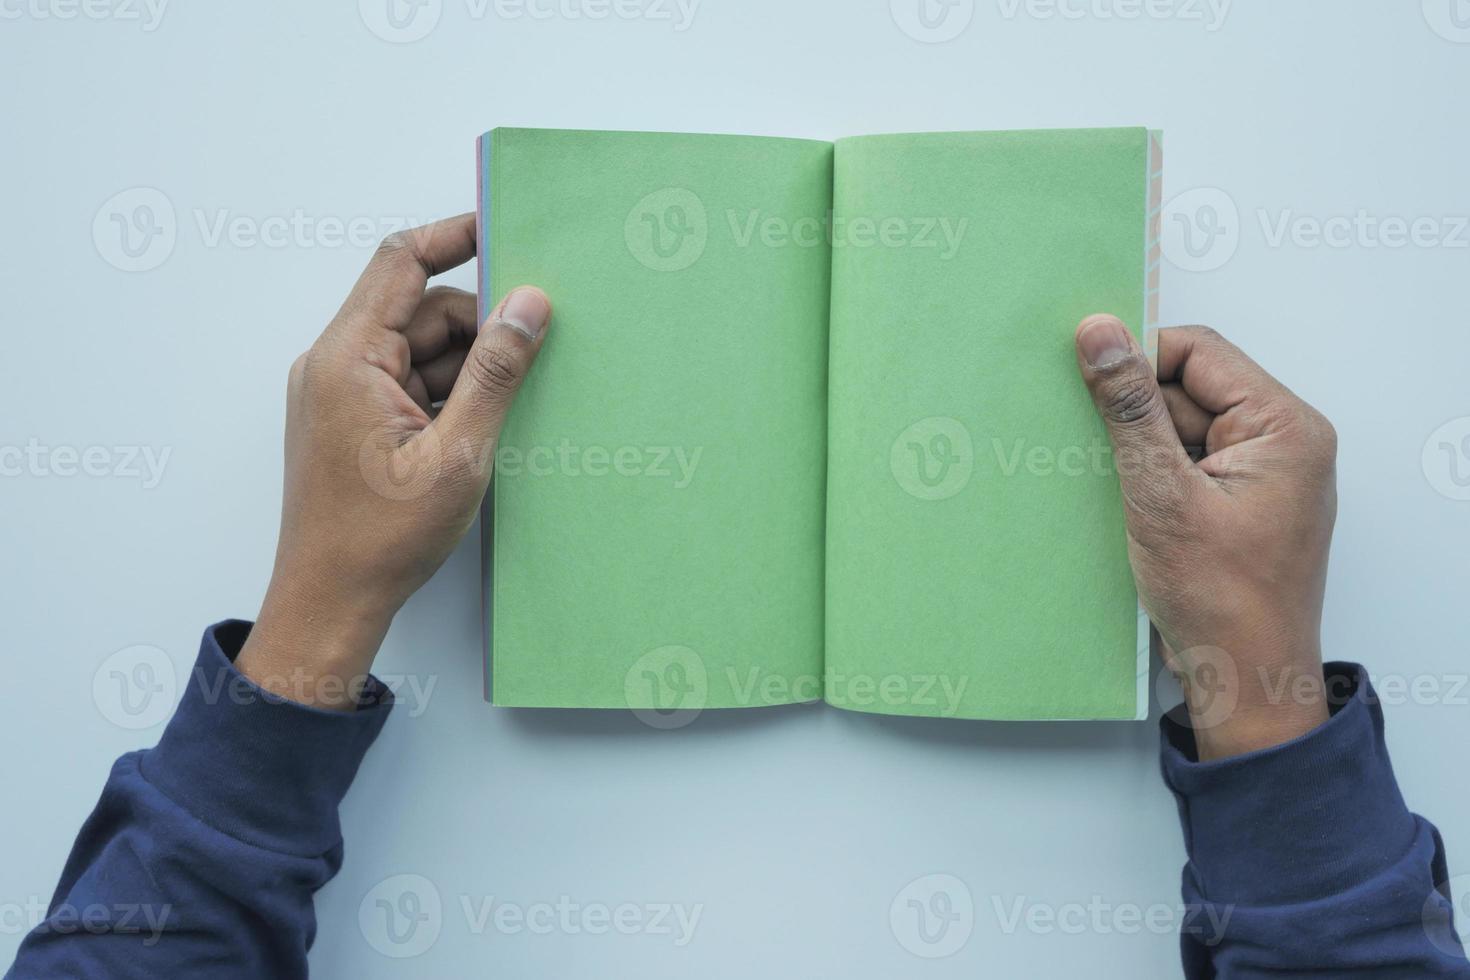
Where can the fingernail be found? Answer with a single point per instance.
(524, 311)
(1103, 341)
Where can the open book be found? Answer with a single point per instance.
(808, 422)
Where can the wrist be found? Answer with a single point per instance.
(1260, 707)
(1335, 779)
(1256, 729)
(314, 646)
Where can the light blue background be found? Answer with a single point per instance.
(796, 828)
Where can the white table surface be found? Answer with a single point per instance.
(793, 832)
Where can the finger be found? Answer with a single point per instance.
(444, 320)
(1215, 373)
(1191, 422)
(492, 373)
(1152, 463)
(443, 326)
(439, 374)
(389, 290)
(1246, 401)
(415, 388)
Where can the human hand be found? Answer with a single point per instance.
(380, 486)
(1230, 552)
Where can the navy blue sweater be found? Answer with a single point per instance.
(203, 853)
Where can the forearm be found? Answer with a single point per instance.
(1303, 858)
(226, 829)
(203, 853)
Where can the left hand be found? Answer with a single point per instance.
(379, 485)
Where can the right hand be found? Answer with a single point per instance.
(1230, 552)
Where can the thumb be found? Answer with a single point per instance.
(492, 373)
(1151, 460)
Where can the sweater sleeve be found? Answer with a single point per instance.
(203, 853)
(1303, 858)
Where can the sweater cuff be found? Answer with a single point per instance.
(254, 765)
(1311, 817)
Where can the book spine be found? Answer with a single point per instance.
(482, 304)
(1153, 261)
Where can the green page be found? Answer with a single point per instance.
(659, 486)
(684, 515)
(976, 557)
